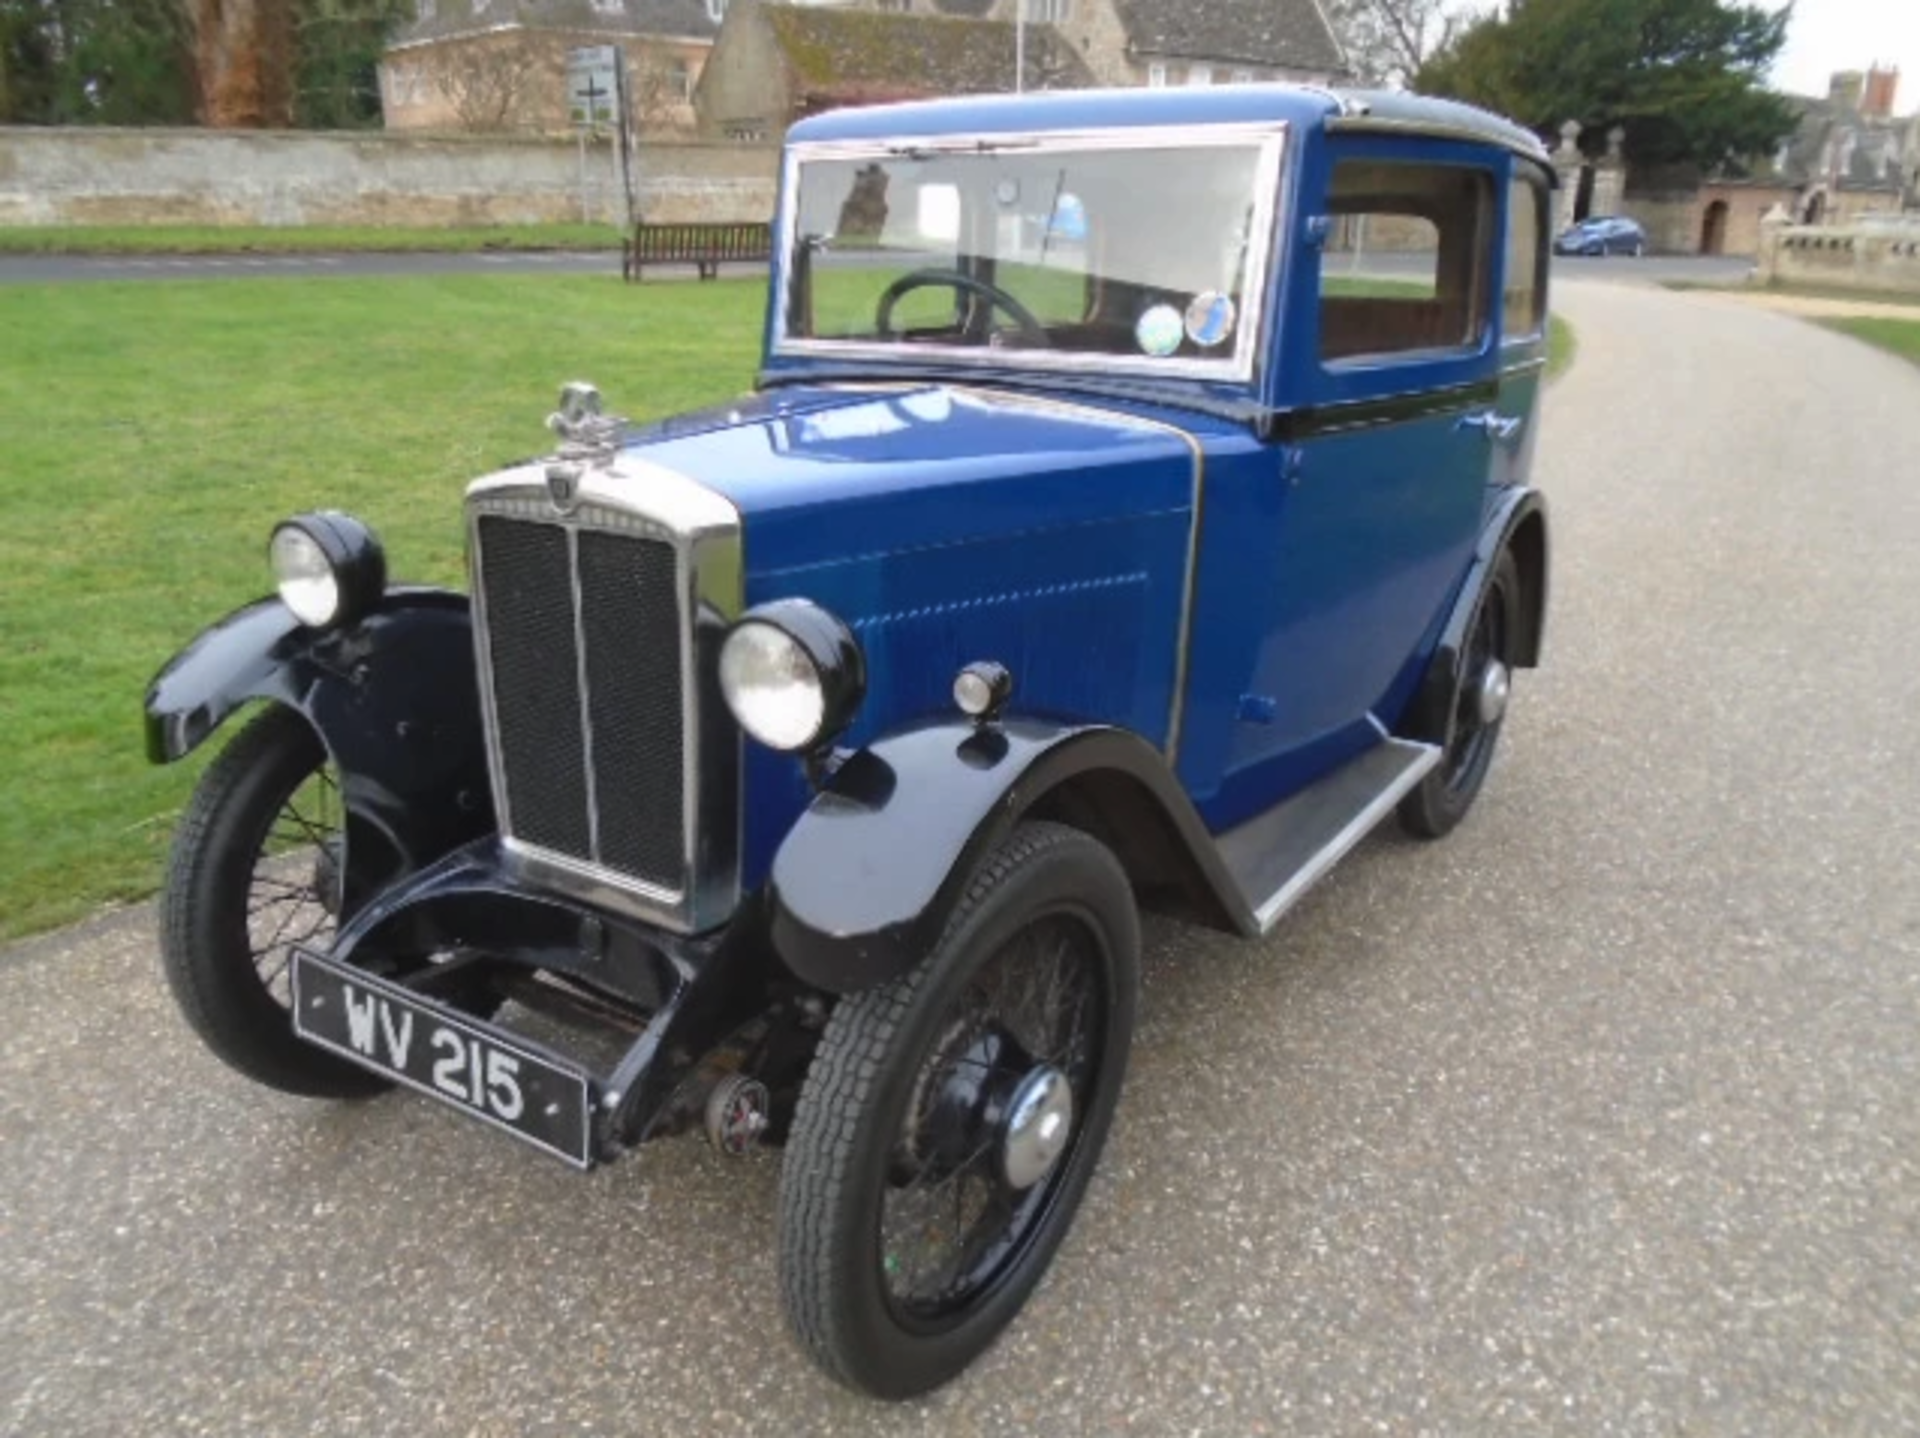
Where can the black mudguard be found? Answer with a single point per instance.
(1517, 523)
(865, 882)
(393, 697)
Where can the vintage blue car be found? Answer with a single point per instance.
(1101, 536)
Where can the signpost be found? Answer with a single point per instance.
(597, 96)
(593, 85)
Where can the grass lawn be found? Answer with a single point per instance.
(152, 432)
(1901, 337)
(294, 239)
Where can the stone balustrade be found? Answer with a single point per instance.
(1875, 252)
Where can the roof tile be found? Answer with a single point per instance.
(1284, 34)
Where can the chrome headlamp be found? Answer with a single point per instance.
(328, 567)
(792, 674)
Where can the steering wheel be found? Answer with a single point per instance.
(1030, 327)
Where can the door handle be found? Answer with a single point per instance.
(1497, 427)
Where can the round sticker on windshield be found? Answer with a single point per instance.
(1160, 331)
(1210, 319)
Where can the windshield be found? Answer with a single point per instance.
(1112, 252)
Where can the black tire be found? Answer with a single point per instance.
(1434, 806)
(231, 910)
(876, 1123)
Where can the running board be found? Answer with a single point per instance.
(1277, 856)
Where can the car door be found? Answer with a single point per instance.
(1383, 474)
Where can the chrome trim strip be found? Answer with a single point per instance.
(1523, 366)
(1271, 137)
(580, 679)
(1268, 913)
(590, 883)
(634, 495)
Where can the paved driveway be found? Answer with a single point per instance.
(1601, 1117)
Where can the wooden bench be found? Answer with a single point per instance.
(705, 244)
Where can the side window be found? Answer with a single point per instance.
(1524, 305)
(1431, 229)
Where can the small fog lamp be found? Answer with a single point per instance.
(982, 689)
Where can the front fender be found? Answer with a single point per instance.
(863, 885)
(393, 698)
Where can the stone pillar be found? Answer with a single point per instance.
(1610, 176)
(1567, 163)
(1773, 230)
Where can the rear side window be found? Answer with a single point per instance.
(1524, 305)
(1408, 269)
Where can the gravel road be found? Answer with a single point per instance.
(1601, 1117)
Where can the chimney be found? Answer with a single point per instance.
(1881, 88)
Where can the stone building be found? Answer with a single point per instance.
(497, 66)
(1170, 42)
(1849, 156)
(774, 64)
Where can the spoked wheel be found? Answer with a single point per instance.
(1478, 710)
(257, 867)
(952, 1118)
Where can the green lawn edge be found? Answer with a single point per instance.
(1563, 343)
(1895, 336)
(1903, 298)
(295, 240)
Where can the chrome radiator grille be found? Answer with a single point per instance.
(584, 645)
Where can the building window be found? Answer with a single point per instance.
(679, 78)
(1243, 77)
(1049, 12)
(1157, 76)
(428, 9)
(1199, 74)
(716, 10)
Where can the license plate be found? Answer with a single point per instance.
(398, 1035)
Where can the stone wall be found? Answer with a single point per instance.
(1717, 218)
(90, 176)
(1870, 254)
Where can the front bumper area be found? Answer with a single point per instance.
(631, 1010)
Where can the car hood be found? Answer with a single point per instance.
(823, 473)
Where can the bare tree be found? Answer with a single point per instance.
(486, 80)
(1387, 41)
(661, 89)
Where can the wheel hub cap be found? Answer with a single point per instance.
(1495, 683)
(1039, 1123)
